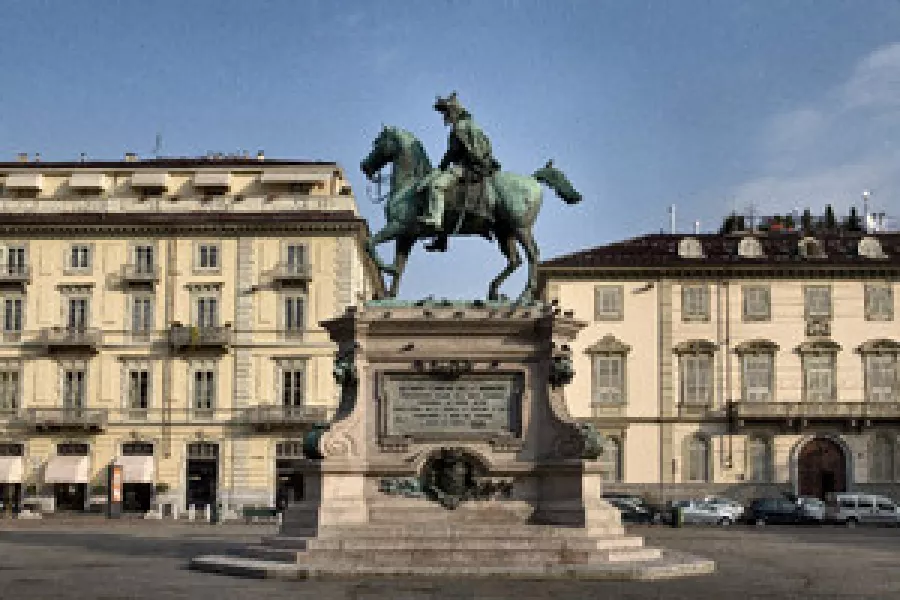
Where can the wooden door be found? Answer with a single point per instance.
(822, 468)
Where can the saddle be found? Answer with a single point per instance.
(472, 196)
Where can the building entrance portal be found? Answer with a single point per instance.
(822, 468)
(202, 475)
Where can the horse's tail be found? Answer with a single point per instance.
(558, 182)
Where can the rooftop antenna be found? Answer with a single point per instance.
(157, 144)
(865, 197)
(671, 218)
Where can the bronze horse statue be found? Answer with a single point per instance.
(515, 201)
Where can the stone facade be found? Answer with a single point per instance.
(714, 368)
(169, 302)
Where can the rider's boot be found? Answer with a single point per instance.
(439, 244)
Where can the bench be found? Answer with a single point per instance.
(257, 513)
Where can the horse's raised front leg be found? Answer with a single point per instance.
(403, 247)
(507, 244)
(526, 238)
(389, 232)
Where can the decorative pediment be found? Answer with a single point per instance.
(749, 247)
(870, 248)
(608, 344)
(810, 247)
(690, 247)
(879, 346)
(695, 347)
(757, 347)
(818, 347)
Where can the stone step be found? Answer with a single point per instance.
(448, 530)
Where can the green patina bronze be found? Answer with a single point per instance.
(593, 441)
(467, 195)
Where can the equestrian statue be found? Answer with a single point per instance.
(468, 194)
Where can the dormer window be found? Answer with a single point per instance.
(690, 247)
(870, 248)
(810, 247)
(750, 248)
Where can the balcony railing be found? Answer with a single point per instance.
(290, 273)
(59, 419)
(69, 338)
(15, 274)
(840, 412)
(139, 274)
(185, 338)
(272, 417)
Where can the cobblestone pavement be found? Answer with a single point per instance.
(105, 560)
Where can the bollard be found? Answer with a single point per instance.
(175, 512)
(207, 513)
(192, 512)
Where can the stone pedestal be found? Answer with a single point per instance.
(452, 452)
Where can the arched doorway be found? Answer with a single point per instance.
(821, 468)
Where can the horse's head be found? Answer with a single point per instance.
(384, 149)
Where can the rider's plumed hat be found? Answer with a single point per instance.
(450, 104)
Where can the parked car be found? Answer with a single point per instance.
(776, 510)
(698, 512)
(727, 504)
(631, 512)
(813, 509)
(854, 509)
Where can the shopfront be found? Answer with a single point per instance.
(12, 470)
(69, 474)
(288, 473)
(138, 474)
(202, 471)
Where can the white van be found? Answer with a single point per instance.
(854, 509)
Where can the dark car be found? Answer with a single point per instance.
(777, 510)
(634, 509)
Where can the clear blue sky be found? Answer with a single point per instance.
(705, 104)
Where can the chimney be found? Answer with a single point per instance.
(82, 157)
(37, 157)
(22, 157)
(260, 155)
(130, 157)
(696, 227)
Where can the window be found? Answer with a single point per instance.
(695, 303)
(13, 312)
(78, 312)
(143, 259)
(74, 382)
(881, 467)
(611, 459)
(15, 260)
(9, 389)
(79, 258)
(758, 377)
(292, 385)
(141, 314)
(204, 389)
(696, 379)
(697, 457)
(608, 379)
(608, 303)
(295, 255)
(138, 390)
(757, 303)
(208, 258)
(818, 378)
(759, 460)
(207, 311)
(817, 301)
(879, 300)
(881, 377)
(292, 314)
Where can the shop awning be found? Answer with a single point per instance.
(213, 180)
(11, 469)
(136, 469)
(24, 181)
(68, 469)
(150, 180)
(277, 178)
(88, 181)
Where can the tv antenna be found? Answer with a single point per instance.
(157, 144)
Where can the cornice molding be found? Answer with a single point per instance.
(879, 346)
(608, 344)
(695, 347)
(758, 346)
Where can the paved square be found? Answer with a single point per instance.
(101, 560)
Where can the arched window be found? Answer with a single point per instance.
(759, 460)
(697, 459)
(881, 467)
(612, 459)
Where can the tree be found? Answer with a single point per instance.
(806, 222)
(853, 221)
(789, 222)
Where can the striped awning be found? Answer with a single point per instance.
(68, 469)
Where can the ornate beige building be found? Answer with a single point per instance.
(745, 364)
(163, 315)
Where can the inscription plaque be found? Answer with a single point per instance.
(419, 405)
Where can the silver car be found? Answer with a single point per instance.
(699, 512)
(854, 509)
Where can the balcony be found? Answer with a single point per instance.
(290, 274)
(69, 339)
(52, 420)
(798, 415)
(138, 274)
(187, 338)
(15, 274)
(269, 418)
